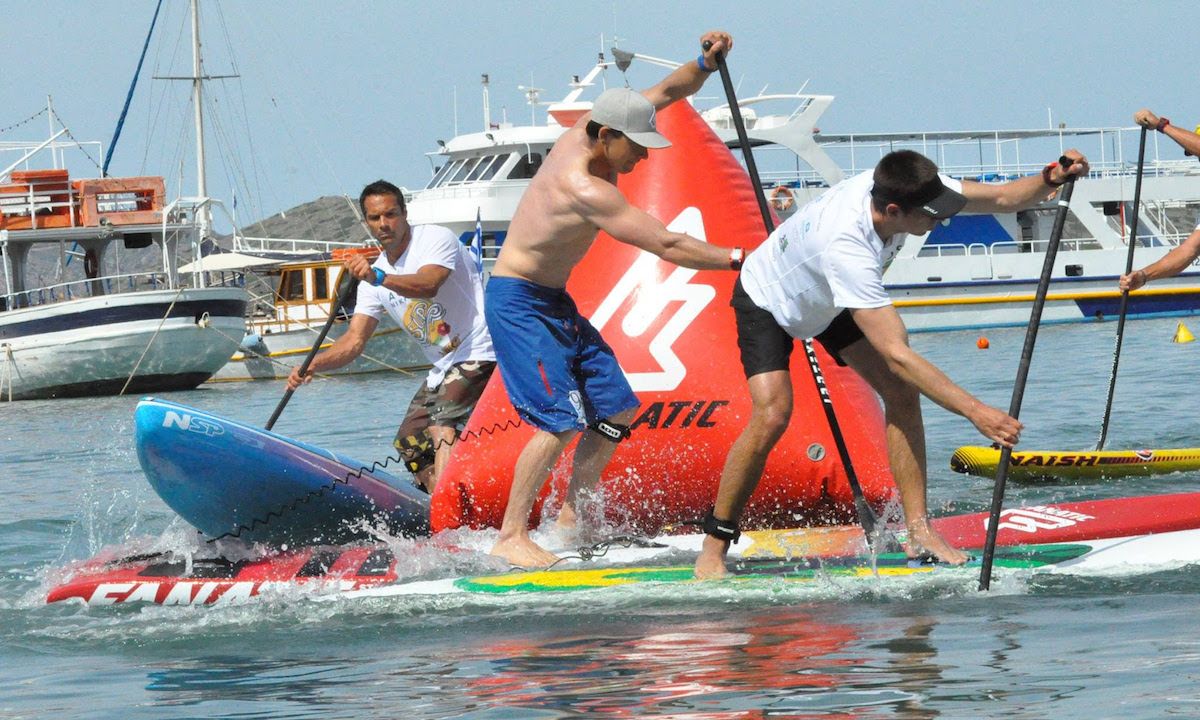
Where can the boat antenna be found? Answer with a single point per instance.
(112, 144)
(487, 107)
(197, 79)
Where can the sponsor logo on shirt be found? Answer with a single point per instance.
(425, 320)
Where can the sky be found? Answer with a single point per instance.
(333, 95)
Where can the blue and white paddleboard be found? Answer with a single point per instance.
(227, 479)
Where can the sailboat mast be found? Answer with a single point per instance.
(198, 106)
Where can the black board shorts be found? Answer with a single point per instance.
(766, 347)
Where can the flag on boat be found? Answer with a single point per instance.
(477, 242)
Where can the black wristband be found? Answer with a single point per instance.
(1162, 124)
(1046, 175)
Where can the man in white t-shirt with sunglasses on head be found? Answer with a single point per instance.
(820, 276)
(428, 282)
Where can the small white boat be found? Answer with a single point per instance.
(92, 330)
(977, 271)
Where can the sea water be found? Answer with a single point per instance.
(1032, 647)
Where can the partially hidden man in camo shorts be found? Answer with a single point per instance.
(446, 408)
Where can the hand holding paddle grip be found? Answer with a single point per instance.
(346, 285)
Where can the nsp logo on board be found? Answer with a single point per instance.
(191, 423)
(1039, 517)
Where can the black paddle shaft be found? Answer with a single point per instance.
(866, 516)
(345, 286)
(1133, 234)
(1014, 409)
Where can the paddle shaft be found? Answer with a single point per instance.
(347, 283)
(1133, 233)
(1014, 409)
(866, 516)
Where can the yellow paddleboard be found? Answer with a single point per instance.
(1046, 464)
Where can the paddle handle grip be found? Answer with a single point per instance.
(347, 283)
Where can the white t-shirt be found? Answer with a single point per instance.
(449, 326)
(825, 258)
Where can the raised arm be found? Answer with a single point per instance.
(1189, 141)
(1023, 193)
(686, 79)
(604, 206)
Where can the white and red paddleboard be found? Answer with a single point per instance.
(1166, 529)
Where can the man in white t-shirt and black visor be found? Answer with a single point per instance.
(820, 275)
(430, 285)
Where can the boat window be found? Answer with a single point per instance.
(526, 167)
(484, 164)
(462, 172)
(292, 285)
(439, 176)
(320, 284)
(492, 168)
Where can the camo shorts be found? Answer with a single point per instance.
(449, 405)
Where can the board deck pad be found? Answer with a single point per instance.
(805, 570)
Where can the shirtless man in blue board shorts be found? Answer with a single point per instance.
(561, 376)
(1181, 257)
(820, 275)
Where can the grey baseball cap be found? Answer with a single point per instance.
(631, 113)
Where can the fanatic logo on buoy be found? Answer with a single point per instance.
(650, 300)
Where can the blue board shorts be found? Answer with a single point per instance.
(559, 373)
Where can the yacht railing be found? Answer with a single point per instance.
(1014, 247)
(298, 246)
(82, 288)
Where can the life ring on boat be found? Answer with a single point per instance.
(781, 198)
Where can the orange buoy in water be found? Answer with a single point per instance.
(982, 343)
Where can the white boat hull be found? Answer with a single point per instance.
(1009, 303)
(116, 344)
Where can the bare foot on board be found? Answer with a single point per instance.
(711, 563)
(923, 540)
(523, 552)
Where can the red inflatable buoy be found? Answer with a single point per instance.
(673, 332)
